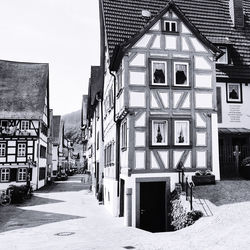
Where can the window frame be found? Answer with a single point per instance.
(221, 47)
(8, 174)
(25, 127)
(23, 150)
(151, 127)
(151, 73)
(4, 149)
(2, 121)
(240, 97)
(124, 136)
(189, 135)
(22, 174)
(164, 21)
(187, 63)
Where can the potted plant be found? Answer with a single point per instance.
(203, 178)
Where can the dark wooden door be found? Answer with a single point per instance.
(153, 206)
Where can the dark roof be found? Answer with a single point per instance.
(56, 129)
(23, 88)
(234, 131)
(95, 88)
(123, 20)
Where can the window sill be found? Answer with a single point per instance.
(170, 32)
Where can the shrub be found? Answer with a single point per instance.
(180, 218)
(245, 162)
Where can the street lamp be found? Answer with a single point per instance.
(28, 174)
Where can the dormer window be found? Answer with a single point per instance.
(223, 59)
(170, 26)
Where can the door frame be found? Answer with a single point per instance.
(167, 196)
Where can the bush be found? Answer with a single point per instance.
(18, 193)
(180, 218)
(245, 161)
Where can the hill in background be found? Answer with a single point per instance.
(72, 129)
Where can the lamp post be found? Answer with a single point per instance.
(28, 174)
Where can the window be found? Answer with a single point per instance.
(2, 149)
(21, 149)
(223, 59)
(109, 154)
(159, 73)
(159, 132)
(170, 26)
(97, 140)
(124, 135)
(22, 174)
(181, 74)
(234, 93)
(25, 125)
(4, 123)
(181, 133)
(42, 151)
(5, 174)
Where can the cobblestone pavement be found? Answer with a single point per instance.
(67, 216)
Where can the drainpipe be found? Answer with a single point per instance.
(117, 137)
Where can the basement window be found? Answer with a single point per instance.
(170, 26)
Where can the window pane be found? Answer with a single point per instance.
(159, 133)
(167, 26)
(173, 27)
(159, 72)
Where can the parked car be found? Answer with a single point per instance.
(61, 177)
(245, 168)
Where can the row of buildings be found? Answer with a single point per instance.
(172, 90)
(32, 143)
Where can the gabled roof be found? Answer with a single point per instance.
(95, 88)
(57, 129)
(23, 87)
(123, 20)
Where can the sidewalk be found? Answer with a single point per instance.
(87, 225)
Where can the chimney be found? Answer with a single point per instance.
(236, 13)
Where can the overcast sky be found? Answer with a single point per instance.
(63, 33)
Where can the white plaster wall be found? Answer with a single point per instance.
(112, 205)
(215, 147)
(243, 109)
(130, 182)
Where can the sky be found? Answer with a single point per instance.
(63, 33)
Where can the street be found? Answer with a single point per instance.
(66, 215)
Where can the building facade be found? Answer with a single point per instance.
(24, 123)
(175, 93)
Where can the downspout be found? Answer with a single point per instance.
(117, 177)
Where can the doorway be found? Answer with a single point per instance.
(227, 143)
(122, 190)
(153, 206)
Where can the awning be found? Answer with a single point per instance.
(237, 131)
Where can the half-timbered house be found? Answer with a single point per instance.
(24, 123)
(57, 149)
(95, 129)
(163, 61)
